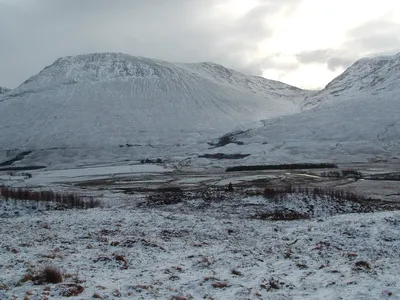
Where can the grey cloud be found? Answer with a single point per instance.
(335, 63)
(374, 38)
(377, 37)
(378, 42)
(333, 58)
(257, 66)
(374, 27)
(249, 26)
(315, 56)
(37, 32)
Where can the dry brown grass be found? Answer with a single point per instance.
(51, 275)
(219, 285)
(62, 200)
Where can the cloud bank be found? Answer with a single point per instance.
(259, 37)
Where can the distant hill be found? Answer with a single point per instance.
(355, 117)
(367, 76)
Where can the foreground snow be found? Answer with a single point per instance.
(159, 252)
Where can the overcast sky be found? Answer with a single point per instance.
(301, 42)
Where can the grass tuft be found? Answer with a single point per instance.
(51, 275)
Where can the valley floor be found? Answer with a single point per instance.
(137, 248)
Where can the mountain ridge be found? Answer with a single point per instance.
(354, 118)
(365, 76)
(119, 66)
(4, 90)
(79, 100)
(98, 103)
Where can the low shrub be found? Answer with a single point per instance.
(71, 290)
(219, 285)
(63, 200)
(281, 215)
(347, 173)
(341, 195)
(49, 274)
(300, 166)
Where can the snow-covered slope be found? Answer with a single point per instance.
(111, 99)
(366, 77)
(4, 90)
(357, 117)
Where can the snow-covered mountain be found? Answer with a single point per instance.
(356, 117)
(89, 105)
(366, 77)
(110, 99)
(4, 90)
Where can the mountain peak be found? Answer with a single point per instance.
(105, 66)
(105, 59)
(369, 72)
(112, 67)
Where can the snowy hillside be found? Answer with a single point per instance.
(367, 76)
(110, 99)
(357, 119)
(4, 90)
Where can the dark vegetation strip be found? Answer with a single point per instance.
(340, 201)
(26, 168)
(366, 204)
(348, 173)
(62, 200)
(176, 195)
(386, 176)
(301, 166)
(20, 156)
(340, 195)
(224, 156)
